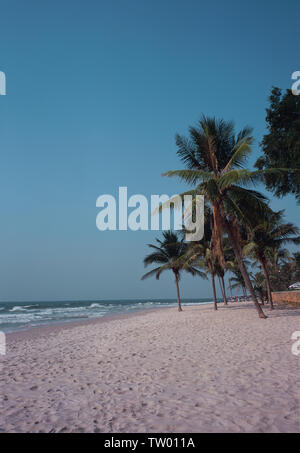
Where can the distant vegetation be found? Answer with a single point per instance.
(242, 232)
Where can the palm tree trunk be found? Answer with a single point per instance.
(221, 288)
(214, 291)
(230, 289)
(224, 290)
(239, 257)
(268, 283)
(178, 293)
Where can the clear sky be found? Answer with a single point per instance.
(96, 91)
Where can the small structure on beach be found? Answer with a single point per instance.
(295, 286)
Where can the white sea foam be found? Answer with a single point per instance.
(14, 317)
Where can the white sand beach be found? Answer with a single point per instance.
(159, 371)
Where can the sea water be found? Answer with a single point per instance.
(24, 315)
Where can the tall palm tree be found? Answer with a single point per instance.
(170, 253)
(270, 234)
(214, 157)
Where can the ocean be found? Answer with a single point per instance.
(16, 316)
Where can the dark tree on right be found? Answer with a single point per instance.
(281, 145)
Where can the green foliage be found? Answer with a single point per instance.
(170, 253)
(214, 157)
(237, 281)
(259, 285)
(284, 269)
(236, 216)
(281, 145)
(270, 233)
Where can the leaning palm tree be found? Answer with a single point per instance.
(270, 234)
(214, 157)
(170, 253)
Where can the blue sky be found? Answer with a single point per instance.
(96, 91)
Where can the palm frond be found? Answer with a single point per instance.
(156, 257)
(171, 203)
(157, 272)
(189, 176)
(245, 177)
(242, 151)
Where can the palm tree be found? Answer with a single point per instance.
(199, 253)
(230, 263)
(170, 253)
(215, 157)
(221, 274)
(276, 257)
(284, 268)
(270, 234)
(237, 282)
(296, 266)
(259, 285)
(230, 289)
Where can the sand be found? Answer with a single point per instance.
(159, 371)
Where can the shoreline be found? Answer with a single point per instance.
(155, 371)
(107, 317)
(37, 331)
